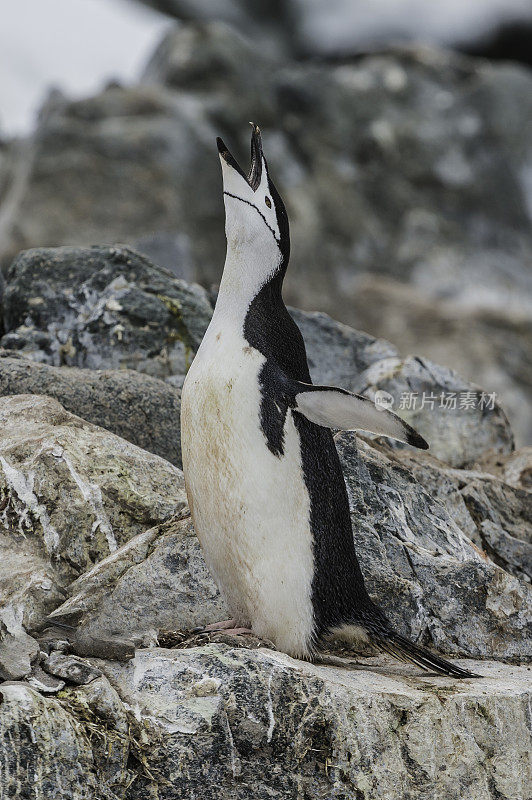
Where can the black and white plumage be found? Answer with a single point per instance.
(262, 474)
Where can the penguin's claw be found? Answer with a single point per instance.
(224, 625)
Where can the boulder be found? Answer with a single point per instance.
(220, 722)
(455, 211)
(47, 752)
(418, 555)
(70, 668)
(141, 409)
(72, 493)
(102, 307)
(17, 650)
(489, 503)
(235, 721)
(164, 566)
(114, 167)
(72, 748)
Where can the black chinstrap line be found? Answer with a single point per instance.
(236, 197)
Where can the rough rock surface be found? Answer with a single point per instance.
(164, 566)
(48, 753)
(70, 668)
(436, 585)
(102, 307)
(445, 551)
(139, 408)
(218, 722)
(17, 650)
(124, 164)
(490, 503)
(71, 494)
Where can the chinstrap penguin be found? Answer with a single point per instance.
(262, 474)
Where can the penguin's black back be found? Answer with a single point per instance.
(338, 592)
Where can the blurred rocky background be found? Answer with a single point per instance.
(406, 167)
(400, 135)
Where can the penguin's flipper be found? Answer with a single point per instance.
(337, 408)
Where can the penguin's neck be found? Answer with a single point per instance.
(248, 273)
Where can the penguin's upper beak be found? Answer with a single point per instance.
(255, 171)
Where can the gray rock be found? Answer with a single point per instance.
(514, 469)
(217, 722)
(70, 668)
(47, 315)
(72, 493)
(209, 57)
(102, 307)
(411, 165)
(141, 409)
(338, 354)
(48, 753)
(234, 721)
(113, 733)
(165, 567)
(494, 513)
(113, 648)
(421, 566)
(123, 139)
(17, 649)
(43, 682)
(459, 420)
(455, 210)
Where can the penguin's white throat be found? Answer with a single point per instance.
(249, 264)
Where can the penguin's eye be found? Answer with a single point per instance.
(268, 202)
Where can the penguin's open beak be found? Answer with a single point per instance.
(255, 171)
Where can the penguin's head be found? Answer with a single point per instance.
(255, 216)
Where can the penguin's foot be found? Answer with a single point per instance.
(224, 625)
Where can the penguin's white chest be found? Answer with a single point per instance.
(251, 509)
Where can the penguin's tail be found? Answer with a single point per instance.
(404, 650)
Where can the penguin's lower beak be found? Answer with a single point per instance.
(228, 158)
(255, 171)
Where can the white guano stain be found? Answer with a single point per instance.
(231, 745)
(22, 486)
(269, 710)
(92, 494)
